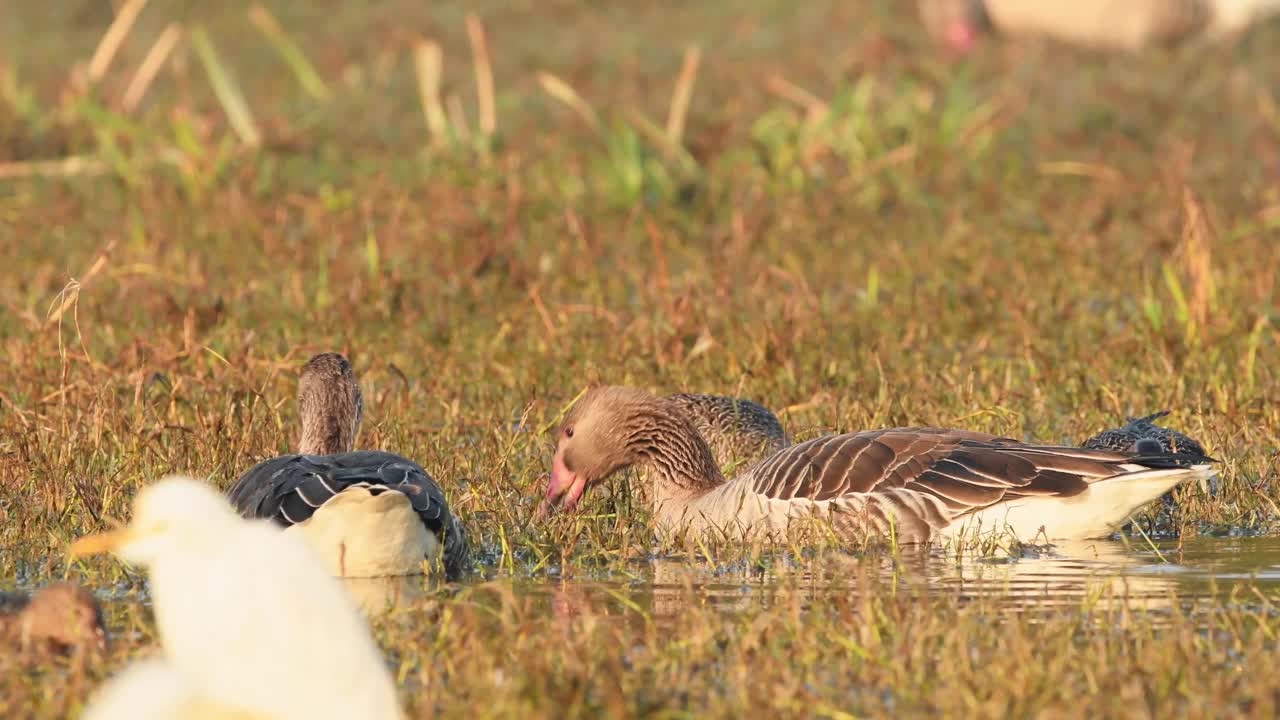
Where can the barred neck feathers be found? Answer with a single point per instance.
(669, 444)
(330, 404)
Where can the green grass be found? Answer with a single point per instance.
(1035, 243)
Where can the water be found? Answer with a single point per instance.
(1201, 571)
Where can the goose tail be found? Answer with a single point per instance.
(1096, 513)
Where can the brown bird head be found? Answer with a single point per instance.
(611, 428)
(62, 617)
(598, 437)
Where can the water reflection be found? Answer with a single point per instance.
(1099, 573)
(1093, 575)
(1200, 571)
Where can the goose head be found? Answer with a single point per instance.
(611, 428)
(330, 404)
(595, 440)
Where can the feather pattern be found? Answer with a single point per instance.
(1127, 437)
(737, 428)
(290, 488)
(738, 431)
(965, 470)
(929, 478)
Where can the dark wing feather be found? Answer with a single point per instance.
(288, 489)
(965, 470)
(1142, 430)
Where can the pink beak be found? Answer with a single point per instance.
(565, 487)
(960, 37)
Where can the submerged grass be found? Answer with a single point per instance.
(838, 224)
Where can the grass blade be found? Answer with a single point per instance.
(289, 52)
(113, 39)
(484, 75)
(564, 92)
(428, 61)
(226, 89)
(150, 67)
(683, 94)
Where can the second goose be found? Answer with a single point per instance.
(369, 513)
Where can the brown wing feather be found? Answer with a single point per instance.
(963, 469)
(835, 465)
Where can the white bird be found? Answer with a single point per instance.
(251, 622)
(1099, 24)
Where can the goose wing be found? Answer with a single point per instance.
(289, 488)
(965, 470)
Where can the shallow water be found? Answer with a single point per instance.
(1202, 571)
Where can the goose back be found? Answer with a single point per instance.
(738, 431)
(1126, 437)
(290, 488)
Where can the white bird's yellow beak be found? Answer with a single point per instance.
(99, 543)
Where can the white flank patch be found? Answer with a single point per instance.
(359, 534)
(1097, 512)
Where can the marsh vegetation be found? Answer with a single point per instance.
(799, 203)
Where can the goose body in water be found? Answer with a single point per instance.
(914, 484)
(251, 622)
(1097, 24)
(369, 513)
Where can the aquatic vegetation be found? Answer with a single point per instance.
(488, 214)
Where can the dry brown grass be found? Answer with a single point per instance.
(1024, 246)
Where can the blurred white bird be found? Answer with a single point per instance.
(251, 622)
(1100, 24)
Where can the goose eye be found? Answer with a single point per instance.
(568, 432)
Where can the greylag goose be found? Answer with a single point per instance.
(57, 618)
(251, 622)
(916, 484)
(1100, 24)
(369, 513)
